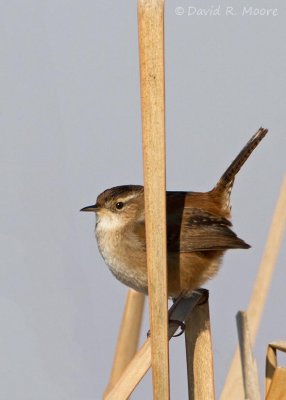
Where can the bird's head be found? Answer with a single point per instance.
(118, 206)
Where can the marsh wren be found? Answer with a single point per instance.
(198, 230)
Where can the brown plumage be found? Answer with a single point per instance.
(198, 230)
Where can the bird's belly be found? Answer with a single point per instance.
(129, 275)
(186, 271)
(127, 265)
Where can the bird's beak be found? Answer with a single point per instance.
(93, 208)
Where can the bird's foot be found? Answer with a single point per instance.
(180, 324)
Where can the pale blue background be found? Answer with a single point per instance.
(70, 127)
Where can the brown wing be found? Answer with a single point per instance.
(200, 231)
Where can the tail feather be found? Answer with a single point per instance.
(224, 185)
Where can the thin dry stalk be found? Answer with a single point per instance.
(151, 49)
(199, 354)
(275, 377)
(128, 337)
(248, 363)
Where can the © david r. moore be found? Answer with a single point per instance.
(228, 11)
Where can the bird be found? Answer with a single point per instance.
(199, 230)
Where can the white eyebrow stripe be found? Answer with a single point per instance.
(126, 198)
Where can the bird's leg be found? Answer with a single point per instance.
(203, 293)
(184, 293)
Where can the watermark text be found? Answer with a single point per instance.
(229, 11)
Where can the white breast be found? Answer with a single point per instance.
(109, 222)
(113, 247)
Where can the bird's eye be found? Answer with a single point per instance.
(119, 205)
